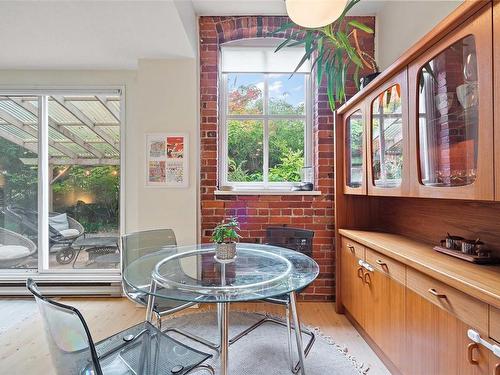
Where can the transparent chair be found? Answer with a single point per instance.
(294, 239)
(141, 349)
(138, 244)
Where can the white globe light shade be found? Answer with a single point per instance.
(314, 13)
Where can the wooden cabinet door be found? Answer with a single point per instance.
(388, 163)
(354, 129)
(384, 300)
(351, 282)
(437, 342)
(494, 364)
(496, 63)
(451, 114)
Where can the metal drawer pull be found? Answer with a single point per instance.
(436, 294)
(350, 247)
(360, 273)
(380, 262)
(476, 338)
(369, 281)
(470, 353)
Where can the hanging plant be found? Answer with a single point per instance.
(334, 48)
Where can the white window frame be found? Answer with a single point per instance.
(43, 272)
(265, 117)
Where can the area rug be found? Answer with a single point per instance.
(264, 351)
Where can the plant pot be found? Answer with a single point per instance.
(364, 81)
(225, 251)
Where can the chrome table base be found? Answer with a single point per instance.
(223, 327)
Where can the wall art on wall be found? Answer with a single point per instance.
(167, 160)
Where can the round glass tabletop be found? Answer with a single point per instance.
(192, 273)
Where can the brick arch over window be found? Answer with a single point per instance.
(258, 212)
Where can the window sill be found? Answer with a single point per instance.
(266, 192)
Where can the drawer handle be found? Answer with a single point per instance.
(350, 247)
(380, 262)
(367, 278)
(470, 353)
(436, 294)
(360, 273)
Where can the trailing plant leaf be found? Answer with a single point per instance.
(333, 49)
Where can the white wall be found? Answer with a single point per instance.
(161, 96)
(402, 23)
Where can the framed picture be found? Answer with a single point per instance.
(167, 160)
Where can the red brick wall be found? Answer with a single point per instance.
(256, 213)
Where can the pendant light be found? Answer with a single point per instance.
(314, 13)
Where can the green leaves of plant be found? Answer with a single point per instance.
(332, 50)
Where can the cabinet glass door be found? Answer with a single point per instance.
(387, 138)
(448, 112)
(354, 149)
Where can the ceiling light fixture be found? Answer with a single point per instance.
(314, 13)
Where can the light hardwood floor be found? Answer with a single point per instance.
(23, 350)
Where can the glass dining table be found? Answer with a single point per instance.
(194, 274)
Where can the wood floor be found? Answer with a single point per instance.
(23, 350)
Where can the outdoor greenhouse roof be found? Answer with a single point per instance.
(83, 130)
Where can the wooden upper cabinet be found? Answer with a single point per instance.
(451, 121)
(388, 161)
(354, 151)
(496, 62)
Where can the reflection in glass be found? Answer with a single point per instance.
(245, 150)
(286, 94)
(448, 116)
(387, 138)
(245, 93)
(286, 150)
(18, 184)
(354, 149)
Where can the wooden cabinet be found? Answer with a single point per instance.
(494, 328)
(354, 151)
(451, 122)
(496, 73)
(351, 278)
(384, 299)
(388, 164)
(437, 342)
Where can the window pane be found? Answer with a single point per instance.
(387, 137)
(354, 149)
(18, 183)
(84, 185)
(245, 93)
(449, 116)
(287, 94)
(245, 151)
(286, 150)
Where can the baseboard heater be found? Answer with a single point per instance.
(58, 288)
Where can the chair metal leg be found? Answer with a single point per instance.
(289, 338)
(298, 332)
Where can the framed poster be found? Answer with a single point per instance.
(167, 160)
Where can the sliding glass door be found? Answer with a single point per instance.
(60, 182)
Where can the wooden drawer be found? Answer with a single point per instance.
(495, 324)
(386, 265)
(353, 247)
(464, 307)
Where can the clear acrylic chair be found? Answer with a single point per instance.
(141, 349)
(294, 239)
(138, 244)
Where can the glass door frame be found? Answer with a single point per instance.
(44, 272)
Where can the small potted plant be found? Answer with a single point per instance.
(225, 236)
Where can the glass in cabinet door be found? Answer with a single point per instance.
(354, 149)
(448, 116)
(387, 138)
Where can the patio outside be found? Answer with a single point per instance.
(84, 178)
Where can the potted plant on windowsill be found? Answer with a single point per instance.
(225, 236)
